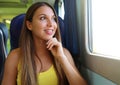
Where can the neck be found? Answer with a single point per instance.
(40, 48)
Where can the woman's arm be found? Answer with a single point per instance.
(70, 70)
(66, 61)
(10, 69)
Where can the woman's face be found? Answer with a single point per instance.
(43, 25)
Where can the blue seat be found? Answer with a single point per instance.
(3, 47)
(4, 29)
(15, 29)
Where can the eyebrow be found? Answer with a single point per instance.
(41, 14)
(46, 15)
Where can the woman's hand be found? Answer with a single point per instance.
(55, 47)
(66, 61)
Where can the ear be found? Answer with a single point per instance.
(29, 25)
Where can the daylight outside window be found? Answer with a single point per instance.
(105, 17)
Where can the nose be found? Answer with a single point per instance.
(50, 23)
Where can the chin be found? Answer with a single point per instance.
(48, 38)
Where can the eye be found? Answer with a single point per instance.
(42, 18)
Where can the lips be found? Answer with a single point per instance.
(49, 31)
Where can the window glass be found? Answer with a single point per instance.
(61, 9)
(105, 20)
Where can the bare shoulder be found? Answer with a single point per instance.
(69, 56)
(13, 57)
(67, 53)
(10, 69)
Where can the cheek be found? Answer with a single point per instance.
(37, 33)
(37, 26)
(55, 26)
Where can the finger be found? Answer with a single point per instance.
(49, 41)
(51, 46)
(52, 42)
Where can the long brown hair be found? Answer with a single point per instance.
(28, 67)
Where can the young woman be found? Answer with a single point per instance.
(40, 58)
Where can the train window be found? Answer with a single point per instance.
(105, 24)
(61, 9)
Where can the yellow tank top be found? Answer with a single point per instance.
(48, 77)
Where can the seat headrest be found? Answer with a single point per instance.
(15, 30)
(2, 54)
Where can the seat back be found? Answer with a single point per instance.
(2, 54)
(4, 30)
(15, 30)
(3, 47)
